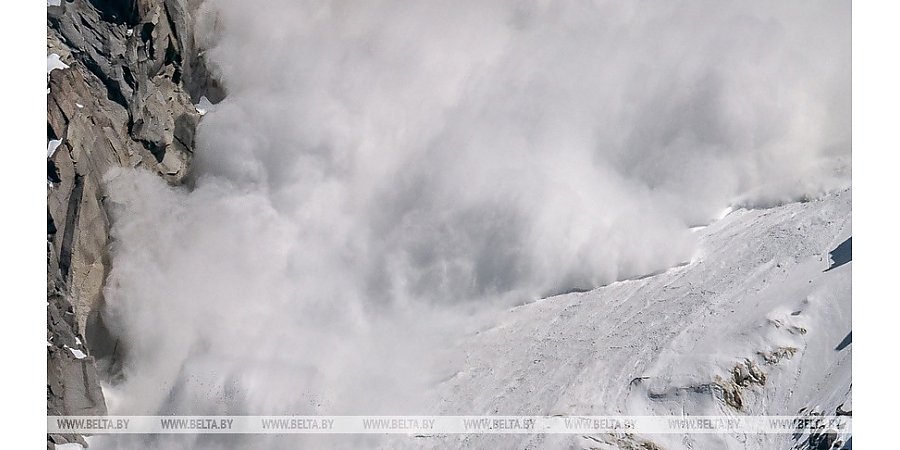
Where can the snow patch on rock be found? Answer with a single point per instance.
(52, 146)
(77, 353)
(54, 63)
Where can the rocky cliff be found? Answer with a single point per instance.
(121, 77)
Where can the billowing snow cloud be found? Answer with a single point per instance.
(381, 170)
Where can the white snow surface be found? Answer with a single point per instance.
(78, 353)
(76, 446)
(53, 63)
(649, 346)
(69, 446)
(204, 106)
(52, 145)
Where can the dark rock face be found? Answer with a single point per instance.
(123, 101)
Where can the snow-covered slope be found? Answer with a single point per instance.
(758, 323)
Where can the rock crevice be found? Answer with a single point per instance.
(124, 97)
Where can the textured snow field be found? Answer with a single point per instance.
(757, 293)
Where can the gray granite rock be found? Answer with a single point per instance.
(123, 101)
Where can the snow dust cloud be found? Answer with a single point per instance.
(383, 172)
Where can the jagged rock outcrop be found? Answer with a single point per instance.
(122, 101)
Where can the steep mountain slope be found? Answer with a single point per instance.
(757, 324)
(118, 75)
